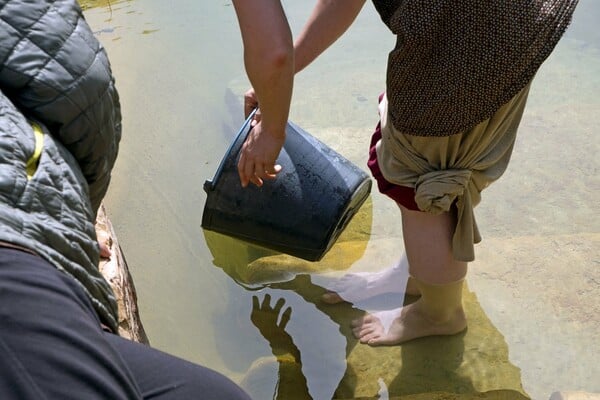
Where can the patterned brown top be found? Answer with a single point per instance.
(457, 61)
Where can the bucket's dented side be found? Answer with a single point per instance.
(302, 212)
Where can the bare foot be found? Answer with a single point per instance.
(104, 250)
(363, 285)
(404, 324)
(105, 243)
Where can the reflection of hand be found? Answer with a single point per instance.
(292, 382)
(265, 317)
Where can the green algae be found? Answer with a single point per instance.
(251, 265)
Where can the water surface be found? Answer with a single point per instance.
(532, 292)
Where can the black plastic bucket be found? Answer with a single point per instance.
(302, 212)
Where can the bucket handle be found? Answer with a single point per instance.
(210, 184)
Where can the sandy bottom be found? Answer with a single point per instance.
(532, 293)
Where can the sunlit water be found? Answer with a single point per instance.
(532, 296)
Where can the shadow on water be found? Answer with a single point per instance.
(471, 365)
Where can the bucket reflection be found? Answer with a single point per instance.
(472, 365)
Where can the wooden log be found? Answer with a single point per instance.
(116, 272)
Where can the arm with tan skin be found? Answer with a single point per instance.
(328, 21)
(269, 62)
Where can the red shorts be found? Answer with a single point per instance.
(403, 195)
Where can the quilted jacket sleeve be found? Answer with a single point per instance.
(55, 70)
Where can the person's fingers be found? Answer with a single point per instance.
(255, 178)
(256, 181)
(250, 106)
(285, 317)
(258, 173)
(250, 102)
(245, 169)
(271, 173)
(262, 171)
(255, 305)
(266, 301)
(279, 305)
(104, 250)
(259, 169)
(256, 118)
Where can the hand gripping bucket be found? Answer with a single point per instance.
(301, 212)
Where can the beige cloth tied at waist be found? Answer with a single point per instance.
(436, 191)
(452, 169)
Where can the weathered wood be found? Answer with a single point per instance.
(116, 272)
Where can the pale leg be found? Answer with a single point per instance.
(438, 275)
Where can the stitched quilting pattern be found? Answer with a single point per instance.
(54, 69)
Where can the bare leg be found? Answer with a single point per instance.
(438, 275)
(428, 241)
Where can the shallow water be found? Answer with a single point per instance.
(532, 292)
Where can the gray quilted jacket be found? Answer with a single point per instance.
(55, 79)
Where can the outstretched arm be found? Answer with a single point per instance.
(265, 317)
(328, 21)
(269, 61)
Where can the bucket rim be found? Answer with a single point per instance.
(210, 184)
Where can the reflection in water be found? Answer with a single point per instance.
(473, 364)
(291, 381)
(539, 252)
(255, 266)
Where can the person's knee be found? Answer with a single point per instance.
(157, 372)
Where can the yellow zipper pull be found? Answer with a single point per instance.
(32, 163)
